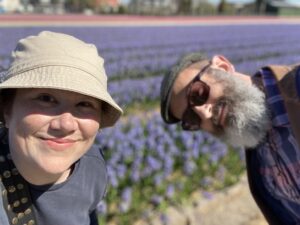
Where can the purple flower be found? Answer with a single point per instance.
(102, 207)
(207, 195)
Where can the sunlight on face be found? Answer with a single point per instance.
(49, 130)
(235, 111)
(247, 119)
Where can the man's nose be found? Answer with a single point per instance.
(204, 111)
(65, 122)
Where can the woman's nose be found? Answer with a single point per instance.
(65, 122)
(204, 111)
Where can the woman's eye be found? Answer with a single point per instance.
(46, 98)
(86, 104)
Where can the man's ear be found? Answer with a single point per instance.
(221, 62)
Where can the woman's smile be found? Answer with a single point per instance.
(59, 144)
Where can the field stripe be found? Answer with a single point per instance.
(8, 20)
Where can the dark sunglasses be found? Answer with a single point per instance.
(197, 95)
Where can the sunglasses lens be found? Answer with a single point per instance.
(198, 93)
(190, 120)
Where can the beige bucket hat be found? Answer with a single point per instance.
(60, 61)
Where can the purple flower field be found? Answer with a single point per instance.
(152, 165)
(143, 52)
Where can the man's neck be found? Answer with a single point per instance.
(257, 81)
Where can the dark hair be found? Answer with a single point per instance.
(6, 100)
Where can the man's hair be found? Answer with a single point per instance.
(6, 100)
(169, 79)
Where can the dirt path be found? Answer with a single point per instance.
(233, 206)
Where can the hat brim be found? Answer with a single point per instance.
(69, 79)
(165, 98)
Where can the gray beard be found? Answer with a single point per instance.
(248, 118)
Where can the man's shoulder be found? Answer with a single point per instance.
(280, 71)
(288, 80)
(287, 77)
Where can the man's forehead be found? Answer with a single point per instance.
(199, 65)
(178, 93)
(183, 79)
(188, 74)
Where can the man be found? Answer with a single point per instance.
(259, 113)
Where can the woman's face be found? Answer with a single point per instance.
(49, 130)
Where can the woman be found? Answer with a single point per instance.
(54, 100)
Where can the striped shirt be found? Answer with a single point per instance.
(274, 166)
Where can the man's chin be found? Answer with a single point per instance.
(241, 142)
(243, 139)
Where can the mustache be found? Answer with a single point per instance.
(216, 112)
(230, 119)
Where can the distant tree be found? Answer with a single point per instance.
(73, 5)
(221, 7)
(79, 5)
(225, 8)
(184, 6)
(33, 2)
(152, 6)
(260, 6)
(204, 8)
(122, 9)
